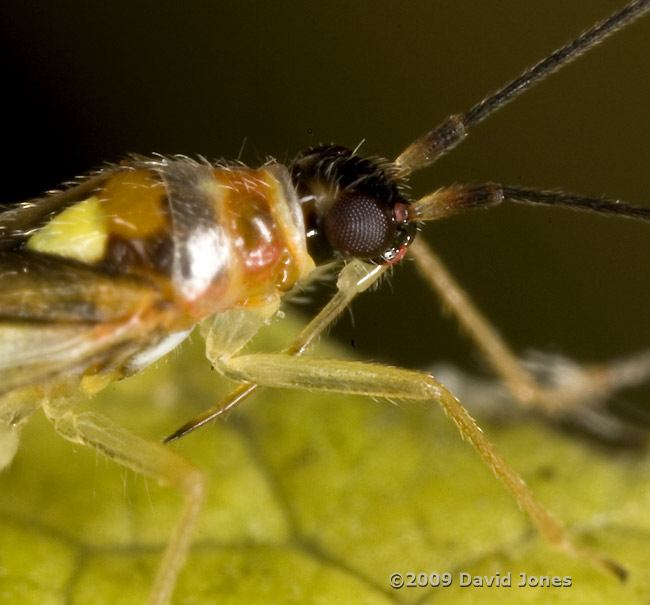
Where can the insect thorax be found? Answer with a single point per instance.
(212, 238)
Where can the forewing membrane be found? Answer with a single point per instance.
(58, 315)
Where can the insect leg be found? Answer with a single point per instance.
(286, 371)
(519, 381)
(149, 458)
(8, 444)
(355, 277)
(582, 386)
(16, 409)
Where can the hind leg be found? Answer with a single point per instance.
(148, 458)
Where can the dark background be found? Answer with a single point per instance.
(85, 83)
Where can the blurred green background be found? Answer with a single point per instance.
(85, 83)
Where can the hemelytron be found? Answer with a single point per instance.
(103, 278)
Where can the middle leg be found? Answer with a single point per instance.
(287, 371)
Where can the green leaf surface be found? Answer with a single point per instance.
(313, 498)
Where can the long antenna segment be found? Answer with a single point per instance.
(427, 149)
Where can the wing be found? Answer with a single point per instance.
(60, 316)
(34, 354)
(37, 287)
(19, 221)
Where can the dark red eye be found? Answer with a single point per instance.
(359, 225)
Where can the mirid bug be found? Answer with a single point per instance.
(134, 256)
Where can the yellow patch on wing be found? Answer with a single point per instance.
(79, 232)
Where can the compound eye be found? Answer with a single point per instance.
(359, 225)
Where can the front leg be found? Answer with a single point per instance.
(568, 390)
